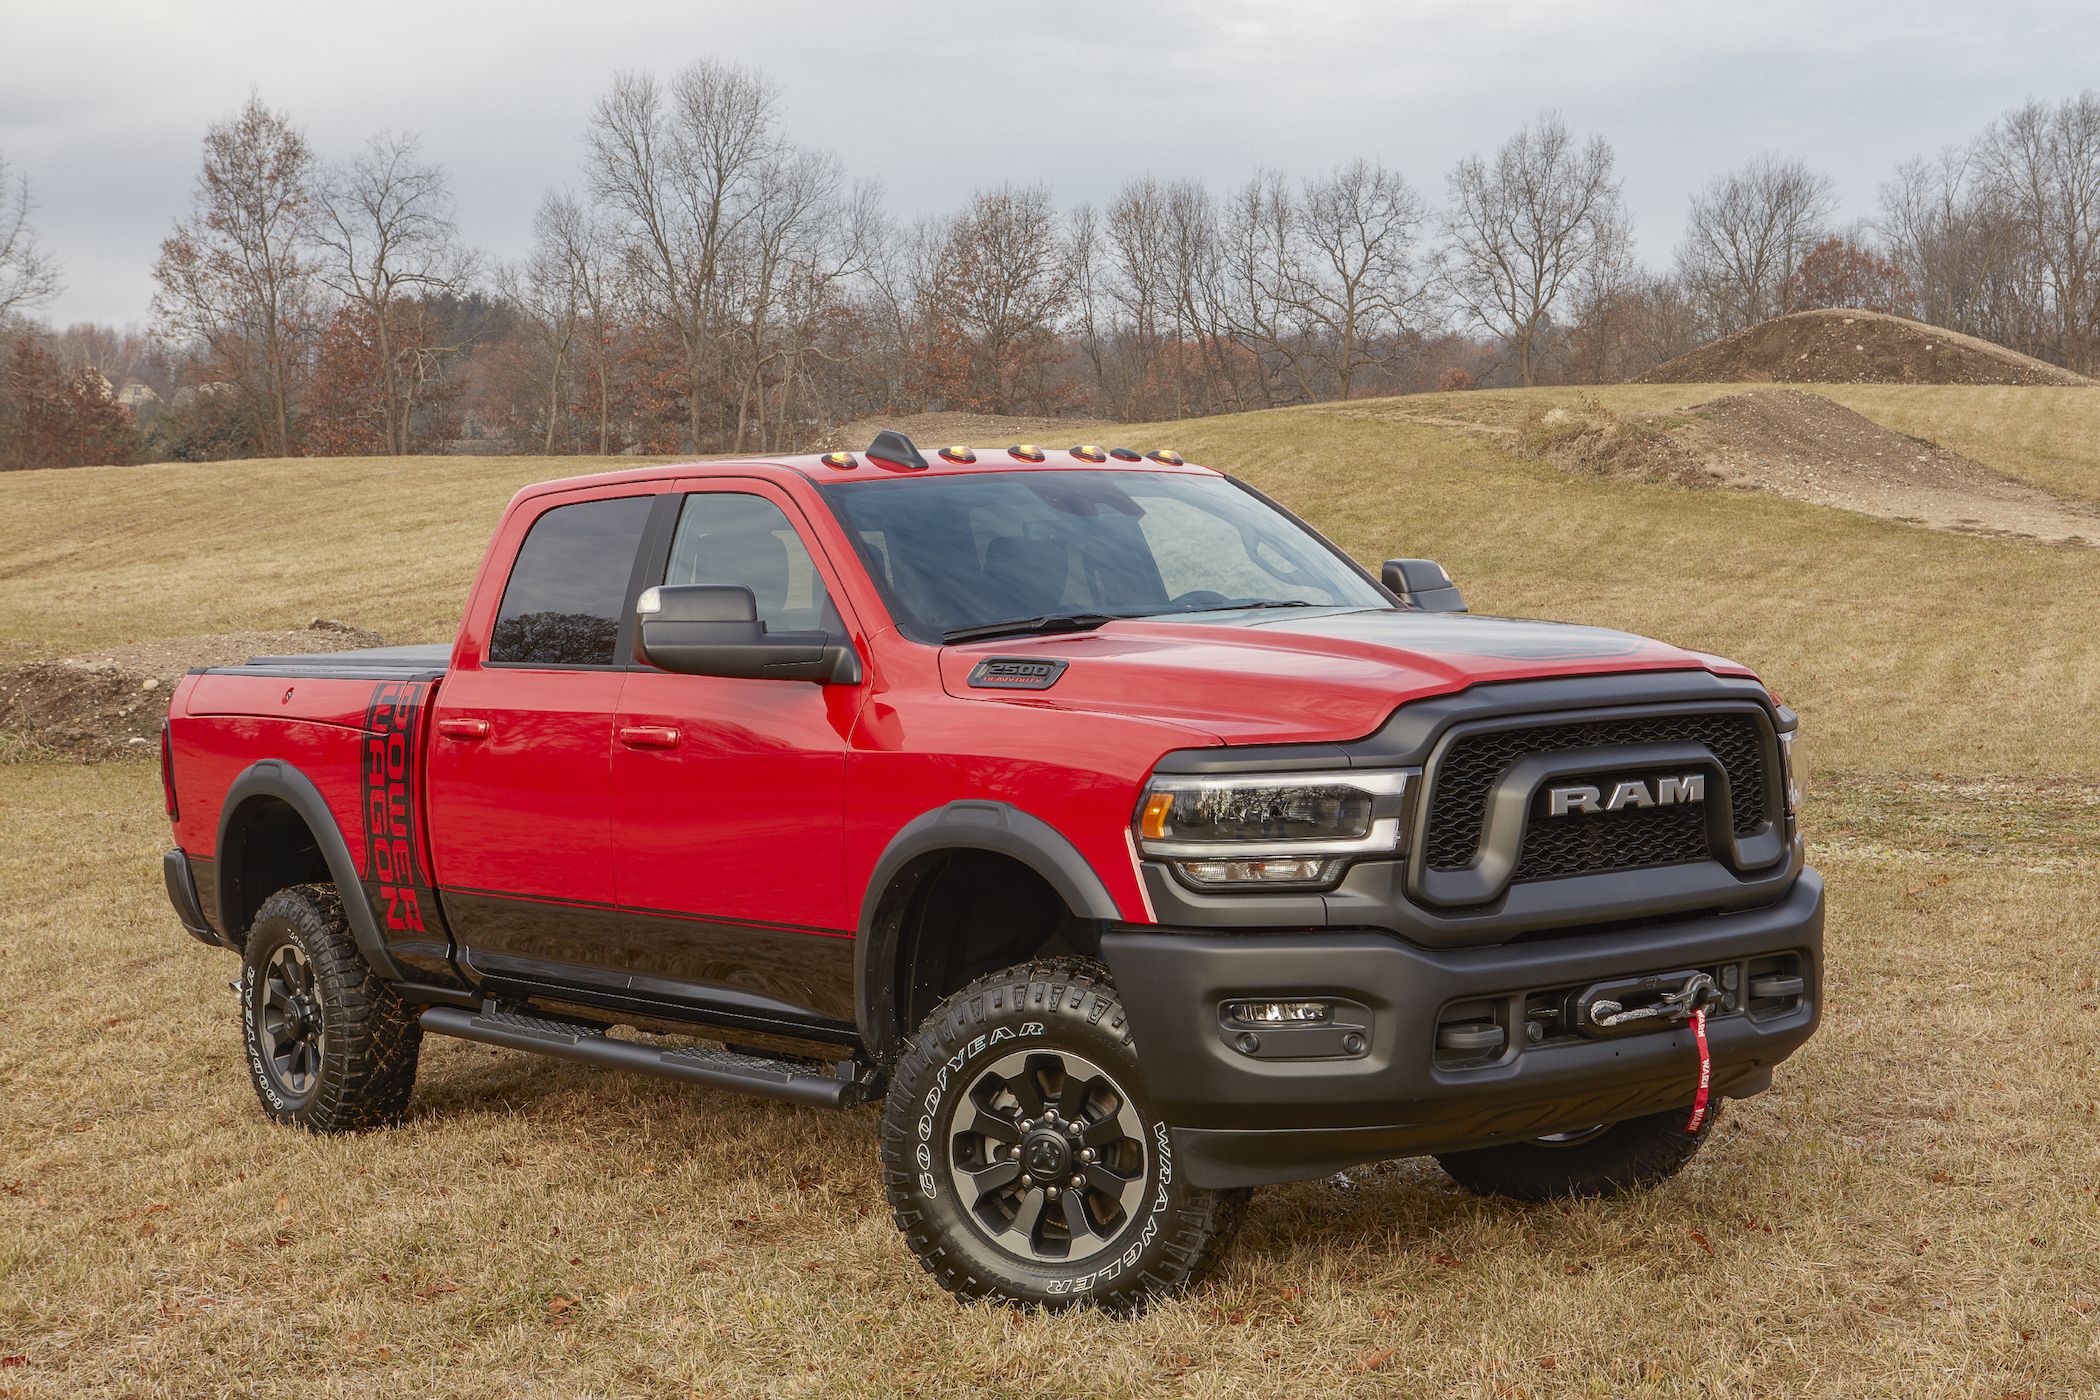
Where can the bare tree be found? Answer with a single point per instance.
(384, 225)
(1257, 239)
(29, 276)
(1962, 250)
(1002, 278)
(2042, 164)
(543, 290)
(1746, 236)
(680, 168)
(1523, 228)
(1353, 283)
(236, 277)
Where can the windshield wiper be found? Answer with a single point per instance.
(1022, 626)
(1249, 607)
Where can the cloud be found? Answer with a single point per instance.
(935, 98)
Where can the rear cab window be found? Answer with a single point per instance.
(568, 587)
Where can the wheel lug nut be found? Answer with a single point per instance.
(1027, 1124)
(1086, 1154)
(1052, 1192)
(1078, 1180)
(1027, 1181)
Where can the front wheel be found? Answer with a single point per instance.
(1023, 1160)
(1601, 1161)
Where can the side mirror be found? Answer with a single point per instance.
(1421, 584)
(713, 630)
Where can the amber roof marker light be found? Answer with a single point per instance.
(1124, 454)
(1167, 455)
(1089, 453)
(963, 455)
(841, 461)
(1025, 452)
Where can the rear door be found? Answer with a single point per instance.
(728, 795)
(520, 757)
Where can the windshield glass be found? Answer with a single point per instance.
(952, 552)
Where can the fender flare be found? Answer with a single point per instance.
(969, 825)
(273, 777)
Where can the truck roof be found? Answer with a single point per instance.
(868, 465)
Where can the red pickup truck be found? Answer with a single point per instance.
(1132, 843)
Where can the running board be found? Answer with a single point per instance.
(721, 1069)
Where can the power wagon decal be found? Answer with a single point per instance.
(393, 873)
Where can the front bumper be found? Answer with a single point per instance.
(1240, 1119)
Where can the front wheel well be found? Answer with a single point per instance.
(950, 916)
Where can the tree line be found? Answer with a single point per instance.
(708, 284)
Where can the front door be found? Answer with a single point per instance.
(521, 748)
(728, 795)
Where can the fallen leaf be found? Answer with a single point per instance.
(1368, 1360)
(1448, 1261)
(560, 1303)
(1702, 1241)
(14, 1361)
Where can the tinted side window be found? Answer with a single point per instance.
(568, 586)
(726, 537)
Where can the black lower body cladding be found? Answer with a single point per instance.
(1377, 1085)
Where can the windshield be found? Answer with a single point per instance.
(957, 552)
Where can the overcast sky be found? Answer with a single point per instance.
(103, 105)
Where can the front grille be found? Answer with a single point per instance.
(1582, 844)
(1588, 842)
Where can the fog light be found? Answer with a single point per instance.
(1278, 1013)
(1273, 870)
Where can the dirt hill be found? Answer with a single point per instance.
(1855, 347)
(109, 704)
(1799, 444)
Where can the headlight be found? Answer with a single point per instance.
(1790, 769)
(1269, 830)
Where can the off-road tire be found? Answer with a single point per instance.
(364, 1065)
(1628, 1156)
(1049, 1009)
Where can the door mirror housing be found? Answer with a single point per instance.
(1422, 584)
(700, 629)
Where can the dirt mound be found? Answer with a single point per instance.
(932, 430)
(109, 704)
(1802, 445)
(1855, 347)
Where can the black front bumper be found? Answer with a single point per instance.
(1243, 1119)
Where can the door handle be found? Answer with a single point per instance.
(464, 728)
(648, 736)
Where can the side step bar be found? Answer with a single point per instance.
(721, 1069)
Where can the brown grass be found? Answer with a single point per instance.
(1914, 1209)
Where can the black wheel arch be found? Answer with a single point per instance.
(994, 828)
(251, 799)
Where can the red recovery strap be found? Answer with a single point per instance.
(1706, 1071)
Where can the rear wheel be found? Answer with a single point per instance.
(1601, 1161)
(1023, 1161)
(330, 1047)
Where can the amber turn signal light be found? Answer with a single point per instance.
(1152, 825)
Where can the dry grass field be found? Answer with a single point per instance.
(1913, 1210)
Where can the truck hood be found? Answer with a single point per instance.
(1289, 677)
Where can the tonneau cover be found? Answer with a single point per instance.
(378, 663)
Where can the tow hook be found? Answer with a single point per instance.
(1642, 1003)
